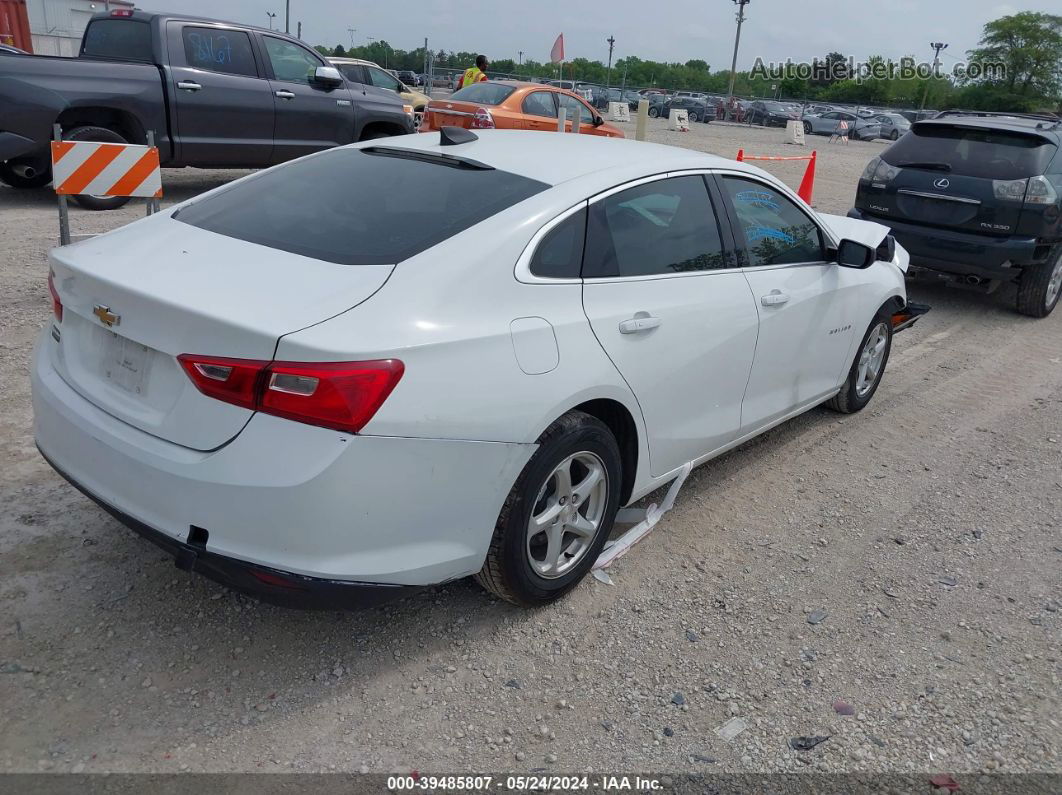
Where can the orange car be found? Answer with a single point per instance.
(509, 105)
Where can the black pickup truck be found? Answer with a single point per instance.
(215, 94)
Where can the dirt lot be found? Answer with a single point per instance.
(927, 529)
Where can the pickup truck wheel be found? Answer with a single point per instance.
(1040, 287)
(103, 135)
(42, 175)
(867, 369)
(558, 515)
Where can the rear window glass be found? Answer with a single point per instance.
(485, 93)
(965, 152)
(122, 39)
(330, 206)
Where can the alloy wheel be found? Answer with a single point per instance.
(1054, 284)
(871, 360)
(567, 515)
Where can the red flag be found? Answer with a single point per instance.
(556, 55)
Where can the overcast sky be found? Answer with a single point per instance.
(671, 30)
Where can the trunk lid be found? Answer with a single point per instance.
(444, 113)
(168, 288)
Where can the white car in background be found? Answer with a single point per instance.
(390, 365)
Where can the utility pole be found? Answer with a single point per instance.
(352, 31)
(608, 77)
(737, 43)
(271, 16)
(299, 34)
(937, 47)
(287, 16)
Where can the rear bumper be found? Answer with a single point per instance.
(959, 253)
(336, 511)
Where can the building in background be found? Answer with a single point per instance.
(56, 26)
(14, 24)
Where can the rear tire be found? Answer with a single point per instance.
(38, 180)
(867, 369)
(694, 118)
(895, 135)
(807, 128)
(654, 113)
(529, 566)
(102, 134)
(1040, 286)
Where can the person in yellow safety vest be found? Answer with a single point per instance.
(475, 74)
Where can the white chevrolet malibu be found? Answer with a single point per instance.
(399, 363)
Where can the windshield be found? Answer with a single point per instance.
(328, 207)
(969, 152)
(485, 93)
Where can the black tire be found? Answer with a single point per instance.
(854, 136)
(850, 400)
(654, 113)
(1040, 286)
(894, 135)
(38, 180)
(507, 571)
(693, 117)
(104, 135)
(807, 128)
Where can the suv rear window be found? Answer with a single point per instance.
(485, 93)
(119, 39)
(330, 206)
(968, 152)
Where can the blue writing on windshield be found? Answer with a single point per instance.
(757, 233)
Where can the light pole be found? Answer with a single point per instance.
(737, 43)
(608, 76)
(352, 31)
(287, 16)
(937, 47)
(271, 16)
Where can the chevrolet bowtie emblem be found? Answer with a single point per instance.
(106, 316)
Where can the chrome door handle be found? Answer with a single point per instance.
(285, 94)
(639, 323)
(774, 298)
(188, 85)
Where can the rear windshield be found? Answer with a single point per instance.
(356, 207)
(485, 93)
(118, 39)
(965, 152)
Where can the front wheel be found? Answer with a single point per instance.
(558, 514)
(867, 369)
(1040, 287)
(895, 135)
(653, 113)
(807, 128)
(693, 117)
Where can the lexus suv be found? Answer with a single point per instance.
(978, 197)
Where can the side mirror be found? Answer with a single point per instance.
(598, 121)
(851, 254)
(327, 76)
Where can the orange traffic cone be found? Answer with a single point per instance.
(807, 185)
(741, 155)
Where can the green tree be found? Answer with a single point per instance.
(1029, 46)
(339, 52)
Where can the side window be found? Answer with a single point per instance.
(540, 103)
(291, 63)
(218, 50)
(776, 230)
(381, 79)
(352, 72)
(662, 227)
(574, 106)
(560, 253)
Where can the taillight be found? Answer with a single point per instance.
(343, 396)
(122, 12)
(482, 120)
(57, 303)
(1040, 191)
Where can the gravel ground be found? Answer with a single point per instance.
(901, 565)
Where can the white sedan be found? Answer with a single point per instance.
(399, 363)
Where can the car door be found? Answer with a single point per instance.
(309, 116)
(806, 304)
(578, 109)
(222, 100)
(672, 312)
(540, 111)
(385, 80)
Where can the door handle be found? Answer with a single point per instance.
(284, 94)
(188, 85)
(639, 323)
(774, 298)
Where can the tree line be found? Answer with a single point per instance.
(1027, 45)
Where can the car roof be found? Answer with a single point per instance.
(1037, 126)
(554, 158)
(359, 61)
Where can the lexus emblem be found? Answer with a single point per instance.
(106, 316)
(943, 183)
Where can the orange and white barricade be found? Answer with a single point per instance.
(841, 133)
(104, 169)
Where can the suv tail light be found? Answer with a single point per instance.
(1011, 190)
(57, 303)
(343, 396)
(482, 120)
(878, 170)
(1041, 191)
